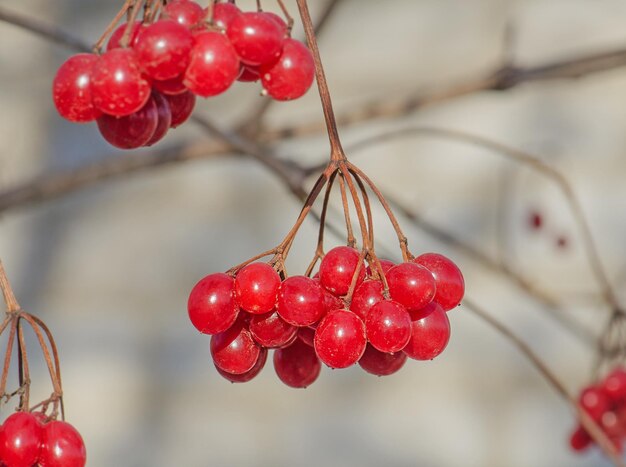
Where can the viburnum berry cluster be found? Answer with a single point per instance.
(605, 402)
(147, 79)
(32, 436)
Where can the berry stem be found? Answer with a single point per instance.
(209, 12)
(97, 48)
(9, 298)
(346, 210)
(7, 355)
(132, 18)
(23, 368)
(287, 16)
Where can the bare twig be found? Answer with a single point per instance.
(7, 291)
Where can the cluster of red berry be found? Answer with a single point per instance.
(28, 439)
(137, 92)
(345, 314)
(605, 402)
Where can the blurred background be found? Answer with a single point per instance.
(109, 267)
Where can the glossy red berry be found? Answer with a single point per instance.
(211, 304)
(595, 402)
(116, 37)
(224, 14)
(411, 285)
(278, 20)
(164, 118)
(163, 49)
(181, 107)
(62, 446)
(429, 336)
(248, 375)
(71, 89)
(248, 74)
(291, 76)
(424, 312)
(170, 87)
(234, 350)
(271, 331)
(117, 85)
(306, 335)
(300, 301)
(256, 288)
(131, 131)
(340, 339)
(20, 440)
(256, 37)
(580, 439)
(448, 279)
(185, 12)
(337, 269)
(381, 363)
(213, 65)
(297, 365)
(611, 424)
(388, 326)
(614, 385)
(365, 296)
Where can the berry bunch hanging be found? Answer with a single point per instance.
(605, 402)
(147, 79)
(357, 308)
(32, 436)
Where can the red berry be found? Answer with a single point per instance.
(614, 385)
(388, 326)
(411, 285)
(248, 74)
(170, 87)
(234, 350)
(595, 402)
(185, 12)
(381, 363)
(248, 375)
(278, 20)
(213, 65)
(340, 339)
(256, 288)
(211, 304)
(256, 37)
(71, 89)
(365, 296)
(117, 85)
(224, 14)
(297, 365)
(131, 131)
(385, 265)
(116, 37)
(306, 335)
(300, 301)
(62, 446)
(292, 75)
(181, 107)
(448, 279)
(337, 269)
(429, 336)
(580, 439)
(20, 440)
(611, 424)
(271, 331)
(164, 118)
(424, 312)
(163, 49)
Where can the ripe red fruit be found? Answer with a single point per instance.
(211, 304)
(164, 118)
(117, 85)
(337, 269)
(163, 49)
(185, 12)
(385, 265)
(248, 375)
(224, 14)
(365, 296)
(131, 131)
(297, 365)
(300, 301)
(256, 288)
(595, 402)
(62, 446)
(429, 336)
(256, 37)
(20, 440)
(411, 285)
(234, 350)
(248, 74)
(116, 37)
(170, 87)
(580, 439)
(278, 20)
(388, 326)
(614, 385)
(448, 279)
(181, 106)
(340, 339)
(271, 331)
(306, 335)
(213, 65)
(291, 76)
(71, 89)
(611, 424)
(381, 363)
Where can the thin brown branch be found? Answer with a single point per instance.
(7, 291)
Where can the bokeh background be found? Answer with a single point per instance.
(109, 267)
